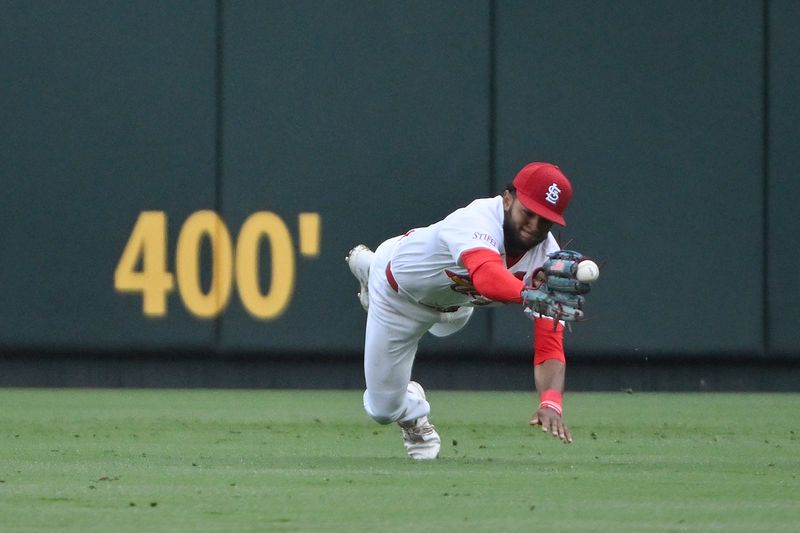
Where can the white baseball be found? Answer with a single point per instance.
(588, 271)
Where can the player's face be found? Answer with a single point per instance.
(523, 228)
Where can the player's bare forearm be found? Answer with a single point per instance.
(549, 376)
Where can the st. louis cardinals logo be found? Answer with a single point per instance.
(552, 194)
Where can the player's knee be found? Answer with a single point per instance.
(384, 408)
(381, 419)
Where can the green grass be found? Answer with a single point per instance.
(123, 460)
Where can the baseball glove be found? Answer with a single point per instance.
(557, 293)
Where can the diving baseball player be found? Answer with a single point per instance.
(493, 251)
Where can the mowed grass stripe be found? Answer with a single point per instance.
(194, 460)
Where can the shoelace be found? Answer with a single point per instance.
(418, 431)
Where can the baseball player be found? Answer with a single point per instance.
(431, 279)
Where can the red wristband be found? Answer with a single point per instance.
(551, 399)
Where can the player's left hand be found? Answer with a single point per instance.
(552, 423)
(555, 289)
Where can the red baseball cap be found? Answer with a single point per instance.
(544, 189)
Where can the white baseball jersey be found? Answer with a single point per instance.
(427, 261)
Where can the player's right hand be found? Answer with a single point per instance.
(552, 423)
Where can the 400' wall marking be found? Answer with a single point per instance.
(142, 268)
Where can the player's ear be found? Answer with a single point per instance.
(508, 199)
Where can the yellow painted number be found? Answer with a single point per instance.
(146, 247)
(274, 302)
(204, 224)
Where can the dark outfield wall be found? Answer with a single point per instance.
(189, 175)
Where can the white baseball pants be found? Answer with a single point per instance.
(395, 324)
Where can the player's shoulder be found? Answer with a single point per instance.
(550, 244)
(488, 207)
(486, 203)
(483, 215)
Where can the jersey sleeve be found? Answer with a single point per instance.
(490, 277)
(468, 230)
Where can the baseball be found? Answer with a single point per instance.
(587, 271)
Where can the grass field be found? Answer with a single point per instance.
(130, 460)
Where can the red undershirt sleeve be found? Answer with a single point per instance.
(490, 277)
(548, 343)
(494, 281)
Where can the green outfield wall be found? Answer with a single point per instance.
(189, 175)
